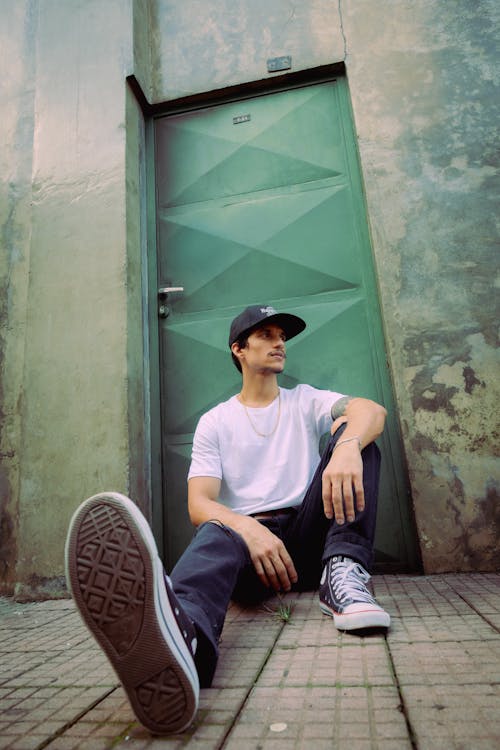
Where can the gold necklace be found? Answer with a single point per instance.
(264, 434)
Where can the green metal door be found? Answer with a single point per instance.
(260, 200)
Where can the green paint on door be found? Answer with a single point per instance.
(260, 201)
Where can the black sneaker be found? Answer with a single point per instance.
(119, 586)
(344, 596)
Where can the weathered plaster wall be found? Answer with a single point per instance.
(424, 83)
(199, 46)
(71, 374)
(138, 300)
(16, 134)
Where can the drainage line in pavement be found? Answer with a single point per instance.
(247, 695)
(402, 703)
(481, 615)
(464, 598)
(77, 718)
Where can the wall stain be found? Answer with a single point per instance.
(7, 545)
(474, 544)
(471, 380)
(432, 396)
(430, 352)
(9, 236)
(40, 588)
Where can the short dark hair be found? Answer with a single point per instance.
(242, 342)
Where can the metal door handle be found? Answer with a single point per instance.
(163, 292)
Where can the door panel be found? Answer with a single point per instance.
(262, 238)
(215, 158)
(267, 210)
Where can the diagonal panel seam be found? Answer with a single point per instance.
(167, 212)
(324, 172)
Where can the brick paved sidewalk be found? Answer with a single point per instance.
(432, 683)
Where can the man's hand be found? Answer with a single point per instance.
(342, 476)
(269, 556)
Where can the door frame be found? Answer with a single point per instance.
(241, 92)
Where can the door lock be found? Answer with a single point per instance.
(163, 292)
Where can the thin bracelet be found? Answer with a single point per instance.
(348, 440)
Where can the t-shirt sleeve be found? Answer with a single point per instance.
(205, 457)
(320, 404)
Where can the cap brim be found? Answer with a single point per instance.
(291, 324)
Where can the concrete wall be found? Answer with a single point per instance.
(424, 82)
(198, 46)
(69, 297)
(74, 406)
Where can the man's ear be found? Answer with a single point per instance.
(237, 351)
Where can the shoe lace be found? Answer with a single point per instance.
(349, 579)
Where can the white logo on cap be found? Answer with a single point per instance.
(268, 310)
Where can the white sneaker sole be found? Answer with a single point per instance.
(116, 578)
(368, 618)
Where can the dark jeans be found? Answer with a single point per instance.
(217, 567)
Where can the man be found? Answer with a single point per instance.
(271, 515)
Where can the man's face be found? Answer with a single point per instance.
(265, 350)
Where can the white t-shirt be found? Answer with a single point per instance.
(263, 473)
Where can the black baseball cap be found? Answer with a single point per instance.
(254, 315)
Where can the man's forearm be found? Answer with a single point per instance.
(343, 475)
(365, 420)
(204, 505)
(202, 509)
(270, 558)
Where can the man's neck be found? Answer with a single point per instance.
(259, 390)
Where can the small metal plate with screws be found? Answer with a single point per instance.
(279, 63)
(241, 118)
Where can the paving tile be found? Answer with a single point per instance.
(482, 591)
(447, 663)
(447, 743)
(494, 620)
(100, 726)
(321, 630)
(216, 712)
(434, 628)
(315, 716)
(239, 667)
(298, 684)
(254, 613)
(455, 714)
(25, 717)
(358, 664)
(27, 742)
(418, 596)
(238, 634)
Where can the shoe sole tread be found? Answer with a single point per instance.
(112, 577)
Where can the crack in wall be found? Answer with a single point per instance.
(342, 31)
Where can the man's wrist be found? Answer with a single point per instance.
(354, 438)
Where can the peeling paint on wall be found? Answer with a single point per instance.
(454, 454)
(427, 113)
